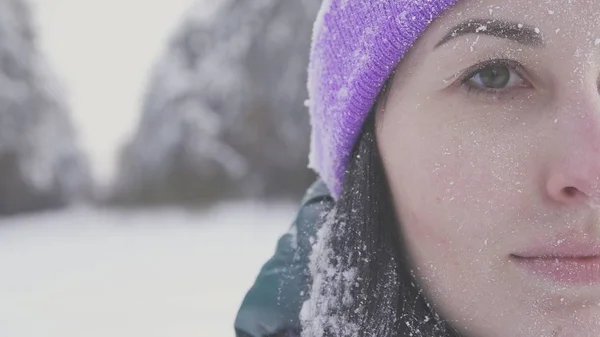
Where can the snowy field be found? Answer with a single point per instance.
(156, 273)
(87, 272)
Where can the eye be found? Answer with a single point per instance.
(496, 76)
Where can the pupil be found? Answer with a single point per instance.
(495, 77)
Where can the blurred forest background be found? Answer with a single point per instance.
(222, 115)
(151, 153)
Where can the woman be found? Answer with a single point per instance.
(465, 177)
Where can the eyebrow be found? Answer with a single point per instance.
(522, 33)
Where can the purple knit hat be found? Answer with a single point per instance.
(356, 45)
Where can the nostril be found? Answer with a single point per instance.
(570, 191)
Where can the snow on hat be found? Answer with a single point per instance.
(356, 46)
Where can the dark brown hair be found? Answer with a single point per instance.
(363, 280)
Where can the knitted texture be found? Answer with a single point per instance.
(356, 46)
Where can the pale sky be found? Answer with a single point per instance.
(102, 51)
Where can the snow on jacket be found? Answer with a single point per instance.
(271, 308)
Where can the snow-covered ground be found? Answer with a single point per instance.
(168, 272)
(87, 272)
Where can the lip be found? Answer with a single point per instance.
(567, 261)
(567, 270)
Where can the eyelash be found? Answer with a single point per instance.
(465, 79)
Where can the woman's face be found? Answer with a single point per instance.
(490, 138)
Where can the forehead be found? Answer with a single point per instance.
(572, 19)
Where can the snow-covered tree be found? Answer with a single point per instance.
(40, 165)
(224, 113)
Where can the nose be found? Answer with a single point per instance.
(575, 185)
(575, 177)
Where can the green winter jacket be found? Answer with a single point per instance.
(272, 306)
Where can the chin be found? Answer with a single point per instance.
(582, 322)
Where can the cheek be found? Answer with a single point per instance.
(459, 178)
(444, 188)
(459, 195)
(443, 220)
(424, 238)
